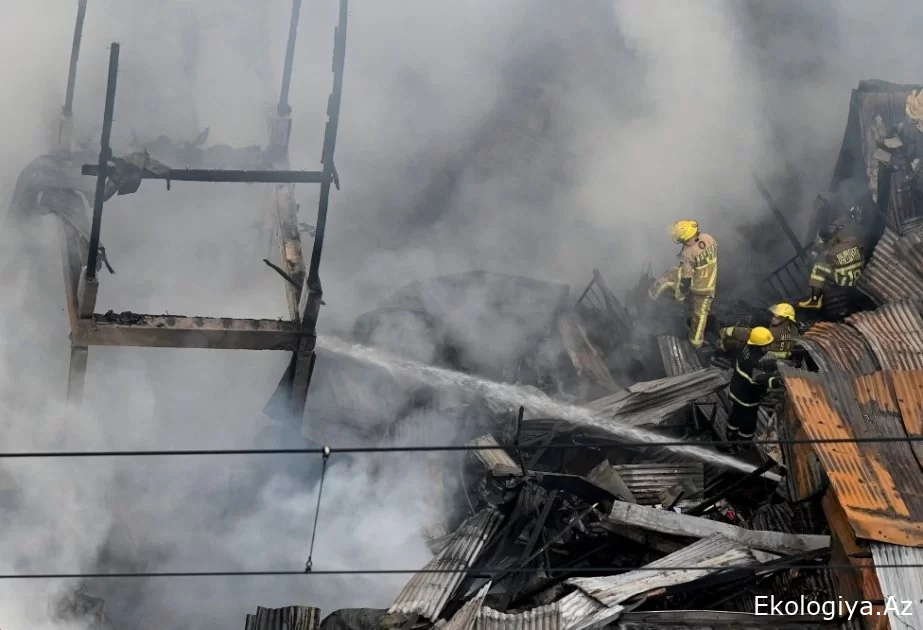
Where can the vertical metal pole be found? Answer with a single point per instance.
(105, 154)
(75, 53)
(284, 108)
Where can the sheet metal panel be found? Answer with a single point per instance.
(839, 347)
(467, 615)
(648, 481)
(289, 618)
(895, 334)
(678, 355)
(889, 275)
(707, 555)
(493, 458)
(426, 594)
(901, 581)
(806, 476)
(908, 391)
(876, 496)
(651, 403)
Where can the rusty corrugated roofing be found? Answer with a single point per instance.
(467, 615)
(879, 486)
(895, 334)
(426, 594)
(838, 346)
(892, 273)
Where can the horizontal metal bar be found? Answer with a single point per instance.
(169, 331)
(228, 176)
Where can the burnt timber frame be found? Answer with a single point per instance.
(299, 334)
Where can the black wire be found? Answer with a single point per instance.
(443, 448)
(473, 573)
(320, 491)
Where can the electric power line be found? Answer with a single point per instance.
(444, 448)
(485, 573)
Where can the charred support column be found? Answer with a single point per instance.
(65, 128)
(786, 227)
(312, 293)
(88, 285)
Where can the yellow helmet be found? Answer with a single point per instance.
(760, 336)
(684, 230)
(783, 310)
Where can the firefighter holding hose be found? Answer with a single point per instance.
(747, 389)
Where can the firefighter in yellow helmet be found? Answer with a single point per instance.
(695, 277)
(746, 390)
(783, 327)
(842, 260)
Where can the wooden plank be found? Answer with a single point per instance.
(285, 212)
(168, 331)
(71, 267)
(76, 375)
(666, 522)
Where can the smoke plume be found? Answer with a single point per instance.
(540, 139)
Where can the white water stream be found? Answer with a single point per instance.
(536, 402)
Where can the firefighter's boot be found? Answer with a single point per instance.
(816, 301)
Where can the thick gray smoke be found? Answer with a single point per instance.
(542, 139)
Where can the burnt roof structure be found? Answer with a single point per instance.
(47, 185)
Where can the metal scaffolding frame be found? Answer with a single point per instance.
(302, 287)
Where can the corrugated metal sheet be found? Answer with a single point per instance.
(900, 581)
(493, 458)
(289, 618)
(908, 390)
(648, 481)
(583, 353)
(709, 554)
(652, 403)
(467, 615)
(426, 594)
(806, 476)
(678, 355)
(895, 334)
(872, 483)
(840, 347)
(890, 276)
(571, 612)
(546, 617)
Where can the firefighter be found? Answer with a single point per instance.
(747, 390)
(783, 327)
(695, 277)
(843, 261)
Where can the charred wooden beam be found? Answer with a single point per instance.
(105, 154)
(312, 293)
(224, 176)
(284, 211)
(75, 54)
(168, 331)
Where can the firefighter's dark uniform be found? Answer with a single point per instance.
(697, 275)
(842, 260)
(784, 335)
(746, 392)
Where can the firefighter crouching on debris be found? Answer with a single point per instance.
(784, 331)
(695, 277)
(843, 261)
(747, 390)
